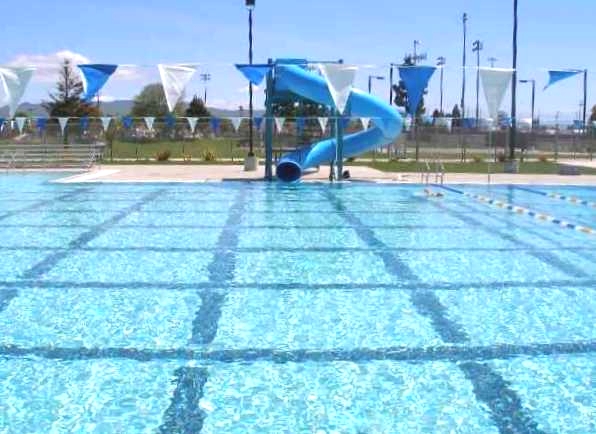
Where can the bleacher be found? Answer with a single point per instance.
(15, 155)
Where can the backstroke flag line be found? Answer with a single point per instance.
(174, 79)
(279, 124)
(416, 80)
(254, 73)
(20, 124)
(105, 123)
(236, 123)
(94, 78)
(192, 123)
(323, 124)
(340, 79)
(365, 123)
(495, 82)
(149, 121)
(63, 122)
(555, 76)
(15, 82)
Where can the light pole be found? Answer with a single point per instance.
(463, 85)
(371, 78)
(416, 44)
(441, 63)
(513, 135)
(477, 46)
(492, 61)
(250, 5)
(205, 78)
(533, 96)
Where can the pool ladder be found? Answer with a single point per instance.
(438, 172)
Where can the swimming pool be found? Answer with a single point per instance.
(247, 307)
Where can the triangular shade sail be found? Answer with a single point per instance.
(174, 79)
(556, 76)
(94, 78)
(416, 80)
(15, 82)
(340, 79)
(254, 73)
(495, 82)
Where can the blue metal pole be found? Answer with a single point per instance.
(269, 126)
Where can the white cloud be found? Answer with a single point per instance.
(108, 98)
(245, 89)
(226, 104)
(48, 65)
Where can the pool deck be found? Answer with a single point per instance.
(218, 173)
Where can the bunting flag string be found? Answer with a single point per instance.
(416, 80)
(236, 123)
(84, 123)
(323, 124)
(192, 123)
(149, 121)
(41, 124)
(300, 123)
(255, 74)
(127, 122)
(279, 124)
(365, 123)
(340, 79)
(170, 121)
(63, 121)
(20, 121)
(555, 76)
(105, 123)
(258, 121)
(174, 79)
(215, 124)
(14, 82)
(94, 78)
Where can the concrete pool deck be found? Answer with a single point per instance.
(218, 173)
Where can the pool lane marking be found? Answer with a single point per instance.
(571, 199)
(6, 296)
(446, 353)
(523, 211)
(184, 415)
(38, 205)
(50, 261)
(544, 256)
(221, 273)
(504, 404)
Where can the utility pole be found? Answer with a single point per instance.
(463, 85)
(477, 46)
(441, 64)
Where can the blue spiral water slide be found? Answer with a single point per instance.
(386, 120)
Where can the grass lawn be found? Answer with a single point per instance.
(534, 168)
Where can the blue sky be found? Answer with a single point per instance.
(553, 34)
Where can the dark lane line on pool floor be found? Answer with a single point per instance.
(544, 256)
(50, 261)
(221, 273)
(6, 296)
(444, 353)
(39, 205)
(184, 415)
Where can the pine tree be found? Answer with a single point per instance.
(66, 101)
(197, 108)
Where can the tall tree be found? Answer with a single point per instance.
(593, 116)
(197, 108)
(66, 101)
(456, 115)
(152, 102)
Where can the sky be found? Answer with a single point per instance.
(370, 34)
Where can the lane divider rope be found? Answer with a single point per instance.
(524, 211)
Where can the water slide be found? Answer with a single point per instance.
(386, 119)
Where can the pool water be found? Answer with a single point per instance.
(255, 308)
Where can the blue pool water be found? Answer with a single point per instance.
(254, 308)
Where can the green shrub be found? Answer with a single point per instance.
(477, 159)
(543, 158)
(501, 157)
(209, 155)
(163, 155)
